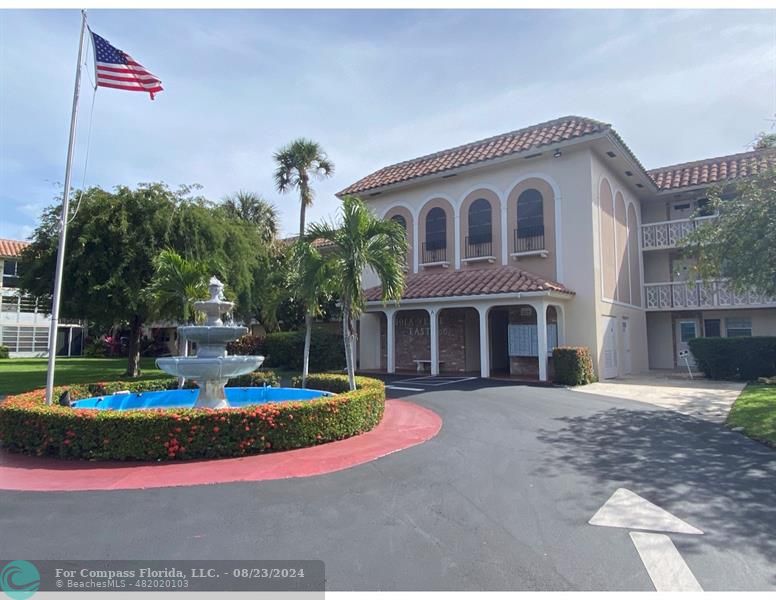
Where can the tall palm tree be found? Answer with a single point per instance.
(175, 285)
(251, 207)
(312, 281)
(362, 241)
(296, 163)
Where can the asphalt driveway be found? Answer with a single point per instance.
(499, 500)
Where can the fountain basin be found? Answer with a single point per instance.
(212, 334)
(198, 368)
(237, 397)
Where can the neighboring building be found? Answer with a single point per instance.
(24, 323)
(549, 235)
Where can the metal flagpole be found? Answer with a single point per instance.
(52, 345)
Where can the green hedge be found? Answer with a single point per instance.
(285, 350)
(27, 425)
(247, 345)
(334, 382)
(4, 352)
(744, 358)
(573, 365)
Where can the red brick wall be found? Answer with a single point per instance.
(412, 338)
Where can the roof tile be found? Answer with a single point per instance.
(11, 248)
(713, 170)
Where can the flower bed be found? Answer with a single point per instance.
(27, 425)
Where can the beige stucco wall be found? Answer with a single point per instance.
(660, 337)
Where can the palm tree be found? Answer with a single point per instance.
(251, 207)
(312, 281)
(296, 162)
(175, 285)
(359, 242)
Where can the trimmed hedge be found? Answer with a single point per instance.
(285, 350)
(28, 426)
(334, 382)
(744, 358)
(247, 345)
(573, 365)
(4, 352)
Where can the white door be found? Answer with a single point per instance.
(609, 368)
(686, 329)
(627, 365)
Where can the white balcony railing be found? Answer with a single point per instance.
(681, 295)
(668, 234)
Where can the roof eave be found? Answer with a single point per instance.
(558, 294)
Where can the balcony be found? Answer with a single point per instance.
(434, 254)
(682, 295)
(529, 241)
(669, 234)
(478, 250)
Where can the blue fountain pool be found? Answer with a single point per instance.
(236, 396)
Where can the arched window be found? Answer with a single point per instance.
(401, 221)
(480, 238)
(435, 248)
(530, 221)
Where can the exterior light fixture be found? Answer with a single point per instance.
(557, 154)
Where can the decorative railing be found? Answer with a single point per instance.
(529, 239)
(680, 295)
(432, 253)
(478, 249)
(668, 234)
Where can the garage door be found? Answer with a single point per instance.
(609, 368)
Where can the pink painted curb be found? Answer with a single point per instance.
(404, 425)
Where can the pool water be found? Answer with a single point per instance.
(236, 396)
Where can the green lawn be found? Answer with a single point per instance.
(755, 412)
(23, 374)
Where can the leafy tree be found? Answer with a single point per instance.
(296, 162)
(252, 208)
(362, 241)
(113, 241)
(741, 243)
(312, 283)
(764, 141)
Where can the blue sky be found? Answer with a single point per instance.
(373, 87)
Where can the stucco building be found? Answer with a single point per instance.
(554, 234)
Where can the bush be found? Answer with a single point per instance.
(29, 426)
(247, 345)
(573, 365)
(256, 379)
(285, 350)
(745, 358)
(334, 382)
(4, 352)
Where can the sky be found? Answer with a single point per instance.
(372, 87)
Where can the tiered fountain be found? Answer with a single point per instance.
(211, 368)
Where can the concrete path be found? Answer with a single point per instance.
(700, 398)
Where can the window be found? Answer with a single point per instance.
(10, 273)
(712, 328)
(401, 221)
(530, 214)
(687, 331)
(480, 230)
(739, 327)
(436, 229)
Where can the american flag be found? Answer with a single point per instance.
(117, 69)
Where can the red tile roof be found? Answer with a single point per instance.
(533, 137)
(11, 248)
(713, 170)
(446, 283)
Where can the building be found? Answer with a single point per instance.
(553, 234)
(24, 322)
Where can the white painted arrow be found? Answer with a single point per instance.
(664, 564)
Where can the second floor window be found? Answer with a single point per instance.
(401, 221)
(436, 229)
(530, 214)
(480, 231)
(10, 273)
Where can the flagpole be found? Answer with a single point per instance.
(52, 345)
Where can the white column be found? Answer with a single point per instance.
(484, 342)
(415, 243)
(457, 225)
(541, 334)
(390, 340)
(434, 323)
(560, 311)
(505, 240)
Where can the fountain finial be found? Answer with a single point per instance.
(216, 289)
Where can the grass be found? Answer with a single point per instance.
(24, 374)
(755, 412)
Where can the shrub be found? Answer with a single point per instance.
(285, 350)
(4, 352)
(573, 365)
(745, 358)
(29, 426)
(256, 379)
(247, 345)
